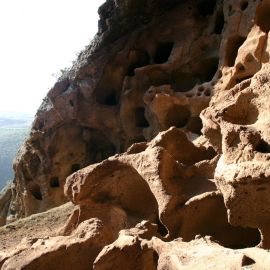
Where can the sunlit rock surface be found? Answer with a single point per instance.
(159, 135)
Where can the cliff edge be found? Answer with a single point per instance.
(159, 137)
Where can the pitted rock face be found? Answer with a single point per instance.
(160, 129)
(238, 116)
(160, 75)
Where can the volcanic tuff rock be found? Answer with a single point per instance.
(159, 135)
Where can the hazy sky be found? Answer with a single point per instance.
(37, 39)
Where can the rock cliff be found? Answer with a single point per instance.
(159, 135)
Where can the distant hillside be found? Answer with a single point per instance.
(13, 131)
(10, 119)
(5, 122)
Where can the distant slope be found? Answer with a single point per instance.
(13, 131)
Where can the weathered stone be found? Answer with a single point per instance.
(159, 134)
(77, 251)
(120, 93)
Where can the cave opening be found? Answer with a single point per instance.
(177, 116)
(54, 182)
(140, 120)
(207, 92)
(107, 91)
(219, 23)
(195, 125)
(111, 99)
(246, 261)
(107, 97)
(155, 259)
(198, 221)
(163, 52)
(184, 82)
(263, 15)
(233, 45)
(209, 68)
(75, 167)
(206, 7)
(71, 103)
(142, 59)
(162, 230)
(262, 147)
(243, 5)
(35, 191)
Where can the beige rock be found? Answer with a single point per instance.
(136, 253)
(120, 93)
(77, 251)
(160, 135)
(175, 191)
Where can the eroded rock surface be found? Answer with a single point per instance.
(158, 76)
(201, 253)
(159, 134)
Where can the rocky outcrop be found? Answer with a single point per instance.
(159, 136)
(60, 252)
(120, 93)
(153, 190)
(160, 184)
(5, 199)
(201, 253)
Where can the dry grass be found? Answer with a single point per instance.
(40, 225)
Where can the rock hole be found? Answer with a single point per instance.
(162, 230)
(177, 116)
(247, 261)
(35, 191)
(139, 59)
(201, 88)
(75, 167)
(207, 68)
(108, 89)
(54, 182)
(207, 92)
(206, 7)
(110, 99)
(233, 44)
(243, 5)
(155, 259)
(248, 236)
(71, 103)
(140, 120)
(195, 125)
(201, 223)
(219, 23)
(163, 52)
(99, 157)
(263, 15)
(241, 68)
(157, 77)
(184, 82)
(262, 147)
